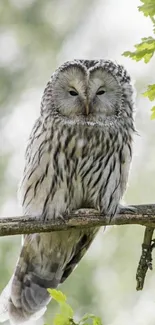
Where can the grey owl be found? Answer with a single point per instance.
(78, 155)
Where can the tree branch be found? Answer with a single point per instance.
(141, 215)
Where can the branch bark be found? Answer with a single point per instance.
(141, 215)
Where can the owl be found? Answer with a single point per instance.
(78, 156)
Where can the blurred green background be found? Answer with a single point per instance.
(35, 37)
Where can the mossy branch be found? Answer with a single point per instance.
(141, 215)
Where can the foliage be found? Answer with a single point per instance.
(146, 48)
(66, 314)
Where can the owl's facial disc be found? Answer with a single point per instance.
(89, 93)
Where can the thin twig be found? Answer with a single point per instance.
(145, 262)
(141, 215)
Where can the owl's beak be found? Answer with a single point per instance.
(86, 108)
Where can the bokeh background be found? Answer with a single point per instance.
(35, 37)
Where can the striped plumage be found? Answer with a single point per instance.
(78, 155)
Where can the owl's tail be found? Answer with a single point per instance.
(46, 260)
(26, 296)
(5, 305)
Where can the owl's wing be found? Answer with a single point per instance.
(80, 250)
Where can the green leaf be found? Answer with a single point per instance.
(153, 113)
(150, 93)
(147, 57)
(144, 50)
(97, 321)
(148, 43)
(148, 8)
(66, 310)
(57, 295)
(59, 319)
(65, 317)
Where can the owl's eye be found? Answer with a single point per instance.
(100, 92)
(73, 93)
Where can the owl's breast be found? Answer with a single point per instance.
(74, 167)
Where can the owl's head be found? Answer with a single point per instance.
(89, 90)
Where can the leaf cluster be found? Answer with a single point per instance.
(145, 50)
(66, 314)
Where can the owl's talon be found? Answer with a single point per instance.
(126, 209)
(61, 218)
